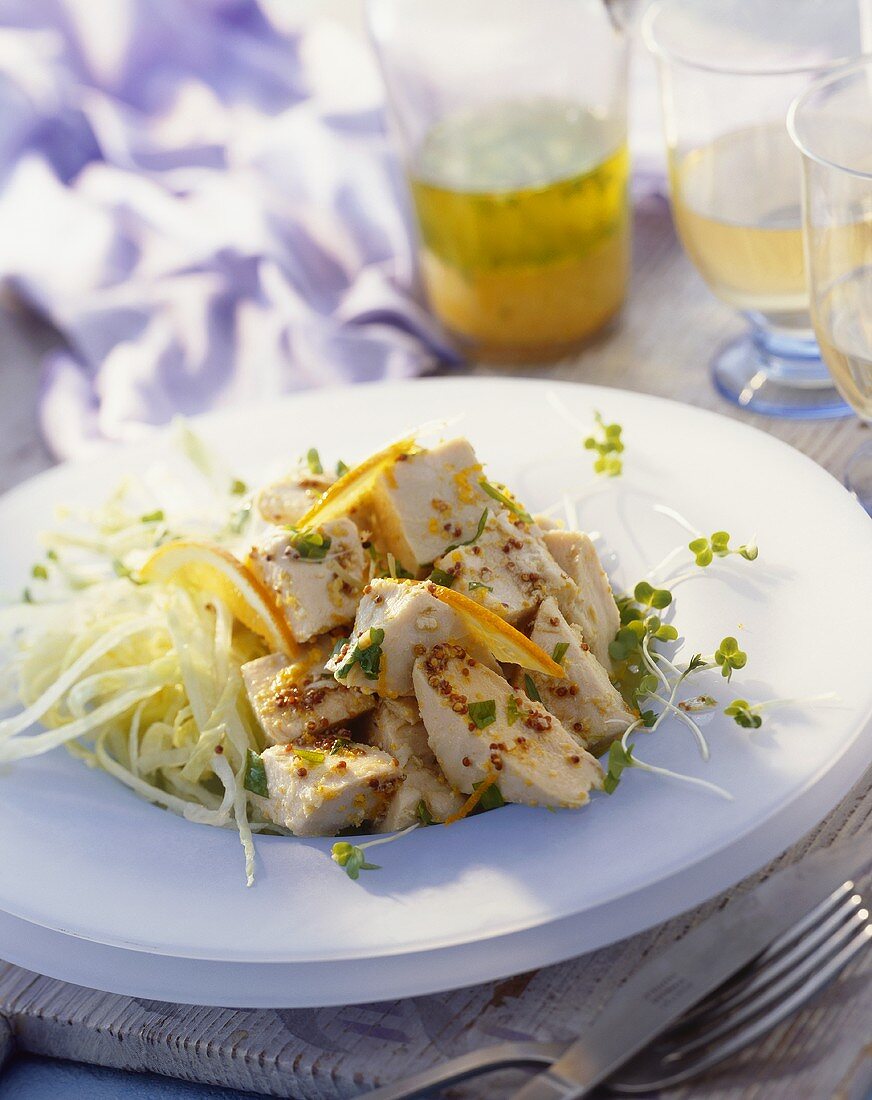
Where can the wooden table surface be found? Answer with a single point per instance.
(662, 346)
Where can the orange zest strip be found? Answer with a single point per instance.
(347, 491)
(503, 641)
(471, 802)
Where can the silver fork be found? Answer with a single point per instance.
(790, 971)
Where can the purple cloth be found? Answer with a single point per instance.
(206, 208)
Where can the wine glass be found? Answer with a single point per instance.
(728, 72)
(830, 124)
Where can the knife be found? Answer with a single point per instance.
(676, 979)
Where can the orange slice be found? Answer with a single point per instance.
(209, 568)
(504, 642)
(347, 491)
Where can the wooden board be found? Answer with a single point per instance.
(667, 334)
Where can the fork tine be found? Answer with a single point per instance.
(774, 991)
(765, 972)
(647, 1077)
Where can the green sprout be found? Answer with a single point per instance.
(351, 858)
(750, 715)
(649, 596)
(718, 546)
(607, 444)
(729, 657)
(743, 714)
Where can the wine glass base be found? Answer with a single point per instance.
(858, 476)
(774, 387)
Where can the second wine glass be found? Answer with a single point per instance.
(728, 72)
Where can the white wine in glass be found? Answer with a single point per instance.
(829, 123)
(843, 323)
(737, 210)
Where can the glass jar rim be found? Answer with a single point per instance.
(839, 73)
(674, 56)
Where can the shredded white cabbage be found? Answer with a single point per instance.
(140, 681)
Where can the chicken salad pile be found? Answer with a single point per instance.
(386, 647)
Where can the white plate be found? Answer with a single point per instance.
(147, 903)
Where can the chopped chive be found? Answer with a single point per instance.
(157, 516)
(255, 774)
(341, 468)
(423, 814)
(491, 798)
(512, 711)
(484, 713)
(443, 577)
(313, 461)
(311, 756)
(310, 545)
(237, 488)
(482, 523)
(504, 499)
(39, 572)
(475, 585)
(531, 689)
(559, 652)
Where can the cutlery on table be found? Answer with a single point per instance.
(725, 983)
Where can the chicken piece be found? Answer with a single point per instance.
(547, 523)
(421, 785)
(317, 585)
(585, 701)
(395, 726)
(412, 621)
(594, 609)
(508, 569)
(294, 701)
(287, 500)
(479, 727)
(312, 797)
(428, 501)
